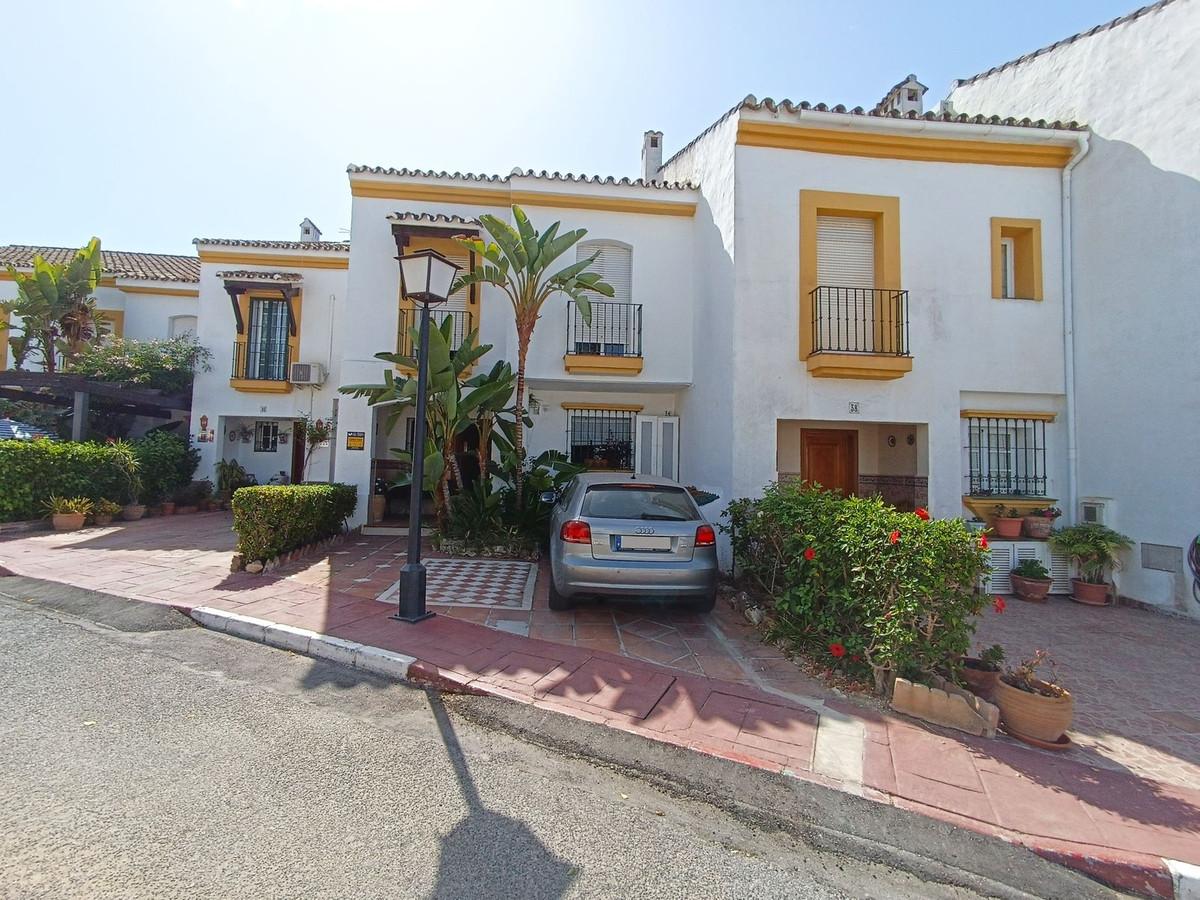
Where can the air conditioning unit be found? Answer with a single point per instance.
(306, 373)
(1097, 511)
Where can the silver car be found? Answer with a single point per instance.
(623, 535)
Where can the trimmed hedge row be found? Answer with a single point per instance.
(273, 519)
(33, 471)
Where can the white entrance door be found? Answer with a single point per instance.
(658, 446)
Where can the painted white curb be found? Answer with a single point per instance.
(1187, 880)
(311, 643)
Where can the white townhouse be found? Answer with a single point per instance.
(146, 296)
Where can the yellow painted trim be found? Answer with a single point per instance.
(4, 336)
(984, 507)
(306, 261)
(254, 386)
(613, 407)
(1007, 414)
(843, 142)
(165, 292)
(1026, 235)
(884, 210)
(473, 196)
(864, 366)
(594, 364)
(117, 317)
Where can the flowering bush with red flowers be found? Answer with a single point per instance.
(897, 593)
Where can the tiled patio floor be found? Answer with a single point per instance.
(1133, 673)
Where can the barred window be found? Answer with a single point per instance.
(1006, 457)
(601, 438)
(266, 437)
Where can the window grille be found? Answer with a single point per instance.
(267, 341)
(266, 437)
(1006, 457)
(601, 438)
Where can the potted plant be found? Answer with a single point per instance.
(186, 500)
(1038, 710)
(166, 508)
(1093, 548)
(1030, 581)
(982, 672)
(1038, 522)
(231, 475)
(104, 510)
(68, 513)
(1007, 522)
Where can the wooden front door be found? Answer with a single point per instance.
(298, 445)
(829, 457)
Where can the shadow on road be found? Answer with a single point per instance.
(488, 854)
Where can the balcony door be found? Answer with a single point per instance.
(829, 457)
(658, 446)
(267, 340)
(845, 319)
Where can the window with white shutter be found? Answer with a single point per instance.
(614, 324)
(845, 280)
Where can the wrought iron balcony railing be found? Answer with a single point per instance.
(860, 320)
(261, 361)
(615, 330)
(463, 319)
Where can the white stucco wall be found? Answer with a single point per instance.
(1136, 204)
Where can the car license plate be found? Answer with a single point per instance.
(641, 542)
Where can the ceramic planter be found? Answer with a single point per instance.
(1033, 715)
(1004, 527)
(103, 519)
(131, 512)
(981, 682)
(1089, 594)
(1038, 527)
(168, 508)
(185, 510)
(67, 521)
(1032, 589)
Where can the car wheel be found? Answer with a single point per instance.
(707, 603)
(558, 601)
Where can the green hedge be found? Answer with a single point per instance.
(860, 585)
(32, 471)
(273, 519)
(165, 464)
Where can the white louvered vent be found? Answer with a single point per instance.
(1002, 563)
(614, 265)
(845, 252)
(460, 299)
(1060, 574)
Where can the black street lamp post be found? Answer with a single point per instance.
(425, 278)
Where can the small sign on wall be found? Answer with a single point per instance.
(356, 440)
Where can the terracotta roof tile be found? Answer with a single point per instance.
(338, 246)
(432, 218)
(250, 275)
(519, 173)
(118, 263)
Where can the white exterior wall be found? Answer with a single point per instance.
(1136, 202)
(322, 306)
(960, 338)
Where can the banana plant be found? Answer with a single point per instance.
(519, 262)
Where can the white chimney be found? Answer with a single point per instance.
(907, 96)
(309, 231)
(651, 155)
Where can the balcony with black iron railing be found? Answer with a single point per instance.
(261, 367)
(462, 323)
(859, 333)
(610, 343)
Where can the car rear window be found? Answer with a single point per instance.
(629, 501)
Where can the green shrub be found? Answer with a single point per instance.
(863, 585)
(33, 471)
(276, 518)
(166, 463)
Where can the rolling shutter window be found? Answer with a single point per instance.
(614, 265)
(845, 252)
(460, 299)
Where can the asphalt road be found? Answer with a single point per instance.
(147, 757)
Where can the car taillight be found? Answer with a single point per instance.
(706, 536)
(576, 532)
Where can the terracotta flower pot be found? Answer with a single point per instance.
(104, 519)
(1004, 527)
(131, 512)
(1033, 715)
(1038, 527)
(1032, 589)
(168, 508)
(1089, 594)
(185, 510)
(981, 682)
(67, 521)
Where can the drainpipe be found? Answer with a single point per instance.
(1069, 329)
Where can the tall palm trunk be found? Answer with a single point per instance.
(523, 335)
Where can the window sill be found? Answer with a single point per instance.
(865, 366)
(260, 386)
(985, 506)
(589, 364)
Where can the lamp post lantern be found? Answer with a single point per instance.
(425, 278)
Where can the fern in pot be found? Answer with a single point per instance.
(1094, 549)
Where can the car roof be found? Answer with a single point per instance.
(594, 478)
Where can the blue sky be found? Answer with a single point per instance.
(150, 123)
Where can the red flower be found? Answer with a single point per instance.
(998, 604)
(894, 537)
(921, 513)
(983, 542)
(837, 650)
(810, 553)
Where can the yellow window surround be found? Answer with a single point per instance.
(597, 364)
(114, 319)
(256, 385)
(447, 247)
(884, 211)
(1026, 237)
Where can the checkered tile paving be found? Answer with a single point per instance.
(488, 583)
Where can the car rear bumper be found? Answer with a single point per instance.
(575, 575)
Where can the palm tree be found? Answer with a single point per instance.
(518, 261)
